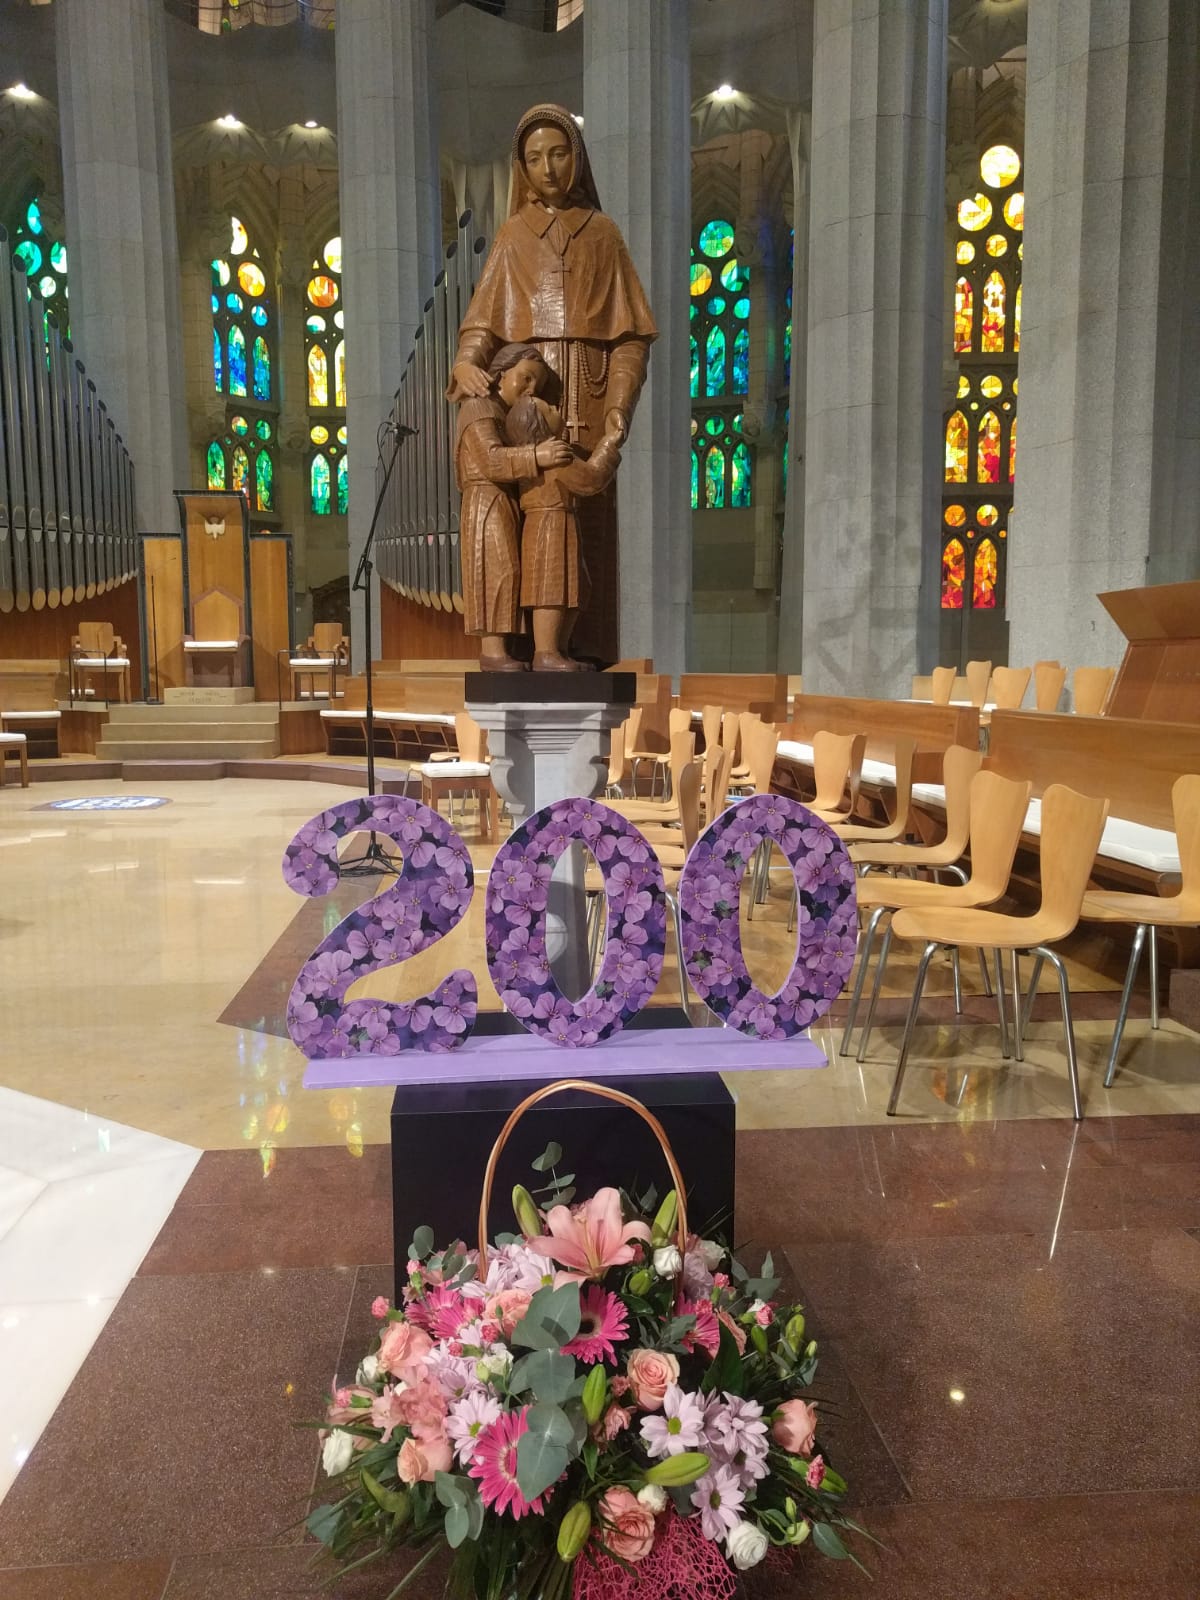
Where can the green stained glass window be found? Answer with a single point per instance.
(237, 361)
(29, 255)
(220, 273)
(787, 351)
(695, 481)
(216, 465)
(701, 278)
(240, 476)
(716, 239)
(741, 306)
(735, 277)
(715, 426)
(33, 217)
(47, 287)
(262, 369)
(318, 475)
(262, 428)
(714, 478)
(264, 481)
(714, 362)
(695, 387)
(58, 257)
(716, 305)
(218, 363)
(343, 484)
(739, 467)
(741, 362)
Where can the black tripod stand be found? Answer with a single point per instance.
(374, 859)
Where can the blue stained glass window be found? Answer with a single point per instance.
(319, 485)
(695, 481)
(218, 363)
(714, 478)
(741, 361)
(343, 484)
(216, 465)
(34, 217)
(716, 305)
(741, 307)
(695, 366)
(262, 369)
(716, 239)
(740, 473)
(237, 361)
(216, 304)
(259, 313)
(234, 302)
(714, 362)
(264, 481)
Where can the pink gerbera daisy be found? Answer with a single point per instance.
(494, 1464)
(706, 1332)
(602, 1322)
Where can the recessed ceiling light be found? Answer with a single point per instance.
(22, 91)
(575, 117)
(724, 91)
(312, 123)
(228, 121)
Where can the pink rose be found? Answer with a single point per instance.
(419, 1462)
(795, 1427)
(380, 1306)
(816, 1472)
(651, 1373)
(507, 1308)
(764, 1316)
(615, 1419)
(627, 1526)
(403, 1346)
(618, 1385)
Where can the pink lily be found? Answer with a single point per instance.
(591, 1240)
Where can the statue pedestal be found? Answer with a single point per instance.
(548, 734)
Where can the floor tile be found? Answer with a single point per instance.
(18, 1191)
(118, 1580)
(55, 1142)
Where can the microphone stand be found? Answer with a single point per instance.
(374, 859)
(157, 700)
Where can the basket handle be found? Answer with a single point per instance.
(615, 1095)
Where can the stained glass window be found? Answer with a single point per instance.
(974, 215)
(262, 369)
(954, 559)
(264, 481)
(243, 329)
(1012, 452)
(741, 362)
(339, 374)
(964, 315)
(716, 239)
(714, 478)
(740, 472)
(319, 484)
(241, 469)
(695, 366)
(999, 166)
(714, 382)
(218, 362)
(695, 481)
(318, 377)
(1017, 319)
(988, 467)
(45, 261)
(216, 465)
(343, 484)
(237, 361)
(993, 315)
(719, 347)
(983, 593)
(701, 279)
(956, 448)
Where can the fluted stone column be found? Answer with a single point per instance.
(119, 190)
(390, 222)
(872, 483)
(1108, 462)
(637, 109)
(789, 655)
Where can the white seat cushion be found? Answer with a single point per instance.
(311, 663)
(99, 661)
(879, 772)
(930, 794)
(29, 716)
(211, 644)
(791, 750)
(454, 769)
(345, 716)
(13, 738)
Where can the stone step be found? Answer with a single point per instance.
(168, 730)
(134, 749)
(220, 714)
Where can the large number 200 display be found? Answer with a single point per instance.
(434, 889)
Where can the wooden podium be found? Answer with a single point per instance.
(1159, 679)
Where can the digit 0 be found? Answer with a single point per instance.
(427, 900)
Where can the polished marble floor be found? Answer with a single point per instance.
(148, 956)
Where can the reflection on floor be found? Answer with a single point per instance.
(976, 1243)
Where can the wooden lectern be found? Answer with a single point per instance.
(1159, 680)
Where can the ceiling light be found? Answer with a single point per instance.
(724, 91)
(312, 123)
(22, 91)
(228, 121)
(576, 118)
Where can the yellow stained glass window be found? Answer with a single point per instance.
(1017, 321)
(318, 377)
(956, 448)
(322, 291)
(1012, 452)
(973, 215)
(319, 435)
(997, 244)
(964, 385)
(983, 588)
(251, 278)
(332, 253)
(999, 166)
(987, 516)
(988, 454)
(964, 315)
(238, 240)
(1014, 211)
(991, 386)
(339, 373)
(954, 560)
(992, 342)
(701, 278)
(956, 515)
(965, 252)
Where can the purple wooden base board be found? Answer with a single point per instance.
(506, 1057)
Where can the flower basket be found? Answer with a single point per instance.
(603, 1406)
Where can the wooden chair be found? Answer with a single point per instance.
(997, 811)
(465, 772)
(978, 675)
(666, 810)
(1071, 828)
(959, 766)
(98, 648)
(618, 763)
(15, 744)
(942, 685)
(837, 774)
(1008, 687)
(898, 826)
(214, 651)
(1089, 690)
(1048, 681)
(718, 764)
(327, 650)
(635, 755)
(710, 722)
(1146, 913)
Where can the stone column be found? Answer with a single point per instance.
(789, 654)
(637, 123)
(390, 221)
(119, 189)
(872, 480)
(1108, 462)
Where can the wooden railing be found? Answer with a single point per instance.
(66, 479)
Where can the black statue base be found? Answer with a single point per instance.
(550, 688)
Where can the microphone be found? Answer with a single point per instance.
(402, 428)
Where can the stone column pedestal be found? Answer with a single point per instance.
(553, 749)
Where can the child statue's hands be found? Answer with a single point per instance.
(553, 453)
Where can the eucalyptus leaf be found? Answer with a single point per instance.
(551, 1319)
(550, 1157)
(323, 1523)
(450, 1489)
(548, 1373)
(565, 1196)
(506, 1238)
(422, 1244)
(457, 1525)
(828, 1541)
(541, 1451)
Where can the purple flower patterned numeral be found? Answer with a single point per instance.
(710, 903)
(635, 922)
(427, 900)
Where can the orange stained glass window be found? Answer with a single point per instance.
(339, 373)
(956, 516)
(987, 516)
(964, 315)
(989, 448)
(974, 214)
(964, 252)
(954, 559)
(983, 588)
(1012, 452)
(993, 315)
(1014, 211)
(318, 377)
(1017, 318)
(999, 166)
(956, 448)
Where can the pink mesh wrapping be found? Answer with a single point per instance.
(683, 1565)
